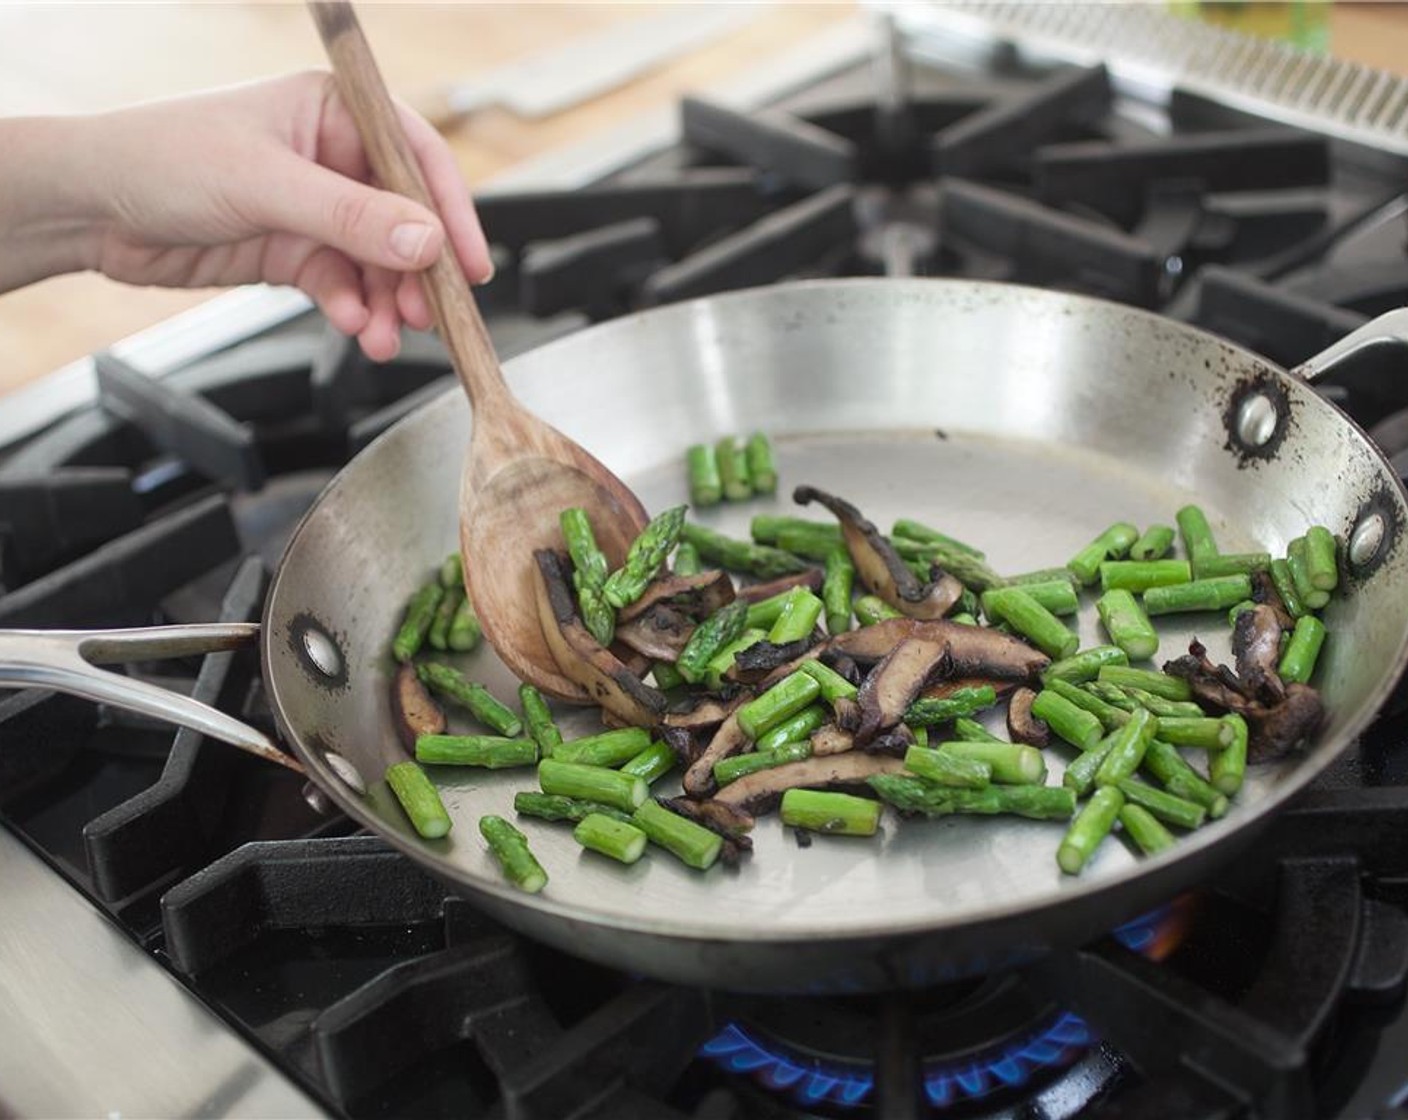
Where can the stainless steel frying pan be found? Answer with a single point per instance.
(1022, 420)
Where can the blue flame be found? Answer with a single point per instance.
(1009, 1066)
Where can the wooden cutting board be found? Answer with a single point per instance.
(64, 58)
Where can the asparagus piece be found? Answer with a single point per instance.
(766, 527)
(654, 762)
(795, 729)
(806, 543)
(415, 626)
(1117, 540)
(914, 795)
(644, 558)
(1056, 595)
(687, 562)
(800, 612)
(1075, 725)
(493, 752)
(607, 748)
(836, 587)
(765, 612)
(445, 612)
(510, 848)
(1172, 709)
(1313, 597)
(722, 661)
(1196, 533)
(1286, 588)
(592, 783)
(761, 470)
(1228, 767)
(1205, 733)
(1171, 769)
(786, 698)
(730, 769)
(1153, 543)
(1029, 618)
(741, 556)
(1079, 777)
(1043, 575)
(733, 469)
(706, 488)
(692, 844)
(970, 730)
(833, 686)
(1320, 564)
(1302, 651)
(1012, 764)
(1141, 575)
(1085, 665)
(1145, 830)
(452, 571)
(916, 531)
(1127, 624)
(589, 568)
(962, 701)
(1150, 680)
(1110, 717)
(725, 625)
(1200, 595)
(1168, 808)
(1113, 695)
(1091, 825)
(464, 628)
(1231, 564)
(947, 768)
(666, 675)
(554, 807)
(971, 571)
(871, 609)
(419, 798)
(538, 719)
(451, 684)
(596, 832)
(1127, 751)
(836, 814)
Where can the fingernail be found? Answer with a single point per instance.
(408, 240)
(487, 274)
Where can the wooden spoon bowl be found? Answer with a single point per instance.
(519, 472)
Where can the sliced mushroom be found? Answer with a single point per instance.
(847, 711)
(683, 742)
(893, 742)
(760, 791)
(761, 659)
(1214, 686)
(829, 740)
(1264, 591)
(701, 714)
(1275, 731)
(974, 651)
(728, 740)
(698, 596)
(809, 578)
(879, 566)
(660, 633)
(1021, 724)
(1256, 644)
(843, 664)
(891, 686)
(415, 711)
(581, 658)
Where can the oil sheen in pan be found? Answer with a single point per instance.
(1027, 505)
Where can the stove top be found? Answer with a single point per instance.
(218, 942)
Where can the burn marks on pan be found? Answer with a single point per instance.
(1257, 416)
(318, 651)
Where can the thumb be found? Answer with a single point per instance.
(372, 226)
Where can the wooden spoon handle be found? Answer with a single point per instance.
(451, 302)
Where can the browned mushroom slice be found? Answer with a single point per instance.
(810, 578)
(414, 709)
(761, 659)
(684, 742)
(893, 684)
(1256, 644)
(660, 633)
(847, 712)
(1275, 731)
(701, 714)
(829, 740)
(974, 651)
(760, 792)
(1213, 686)
(698, 596)
(581, 658)
(728, 740)
(1021, 724)
(894, 742)
(1264, 591)
(879, 566)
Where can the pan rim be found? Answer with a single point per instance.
(1075, 890)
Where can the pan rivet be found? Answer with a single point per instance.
(1257, 420)
(1366, 540)
(345, 770)
(322, 652)
(317, 800)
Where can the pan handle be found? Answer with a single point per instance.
(1388, 330)
(67, 660)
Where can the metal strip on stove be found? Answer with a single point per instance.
(1147, 49)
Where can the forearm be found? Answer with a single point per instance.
(49, 203)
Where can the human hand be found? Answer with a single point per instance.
(262, 182)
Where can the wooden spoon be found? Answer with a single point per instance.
(519, 472)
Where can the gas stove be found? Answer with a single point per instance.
(189, 930)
